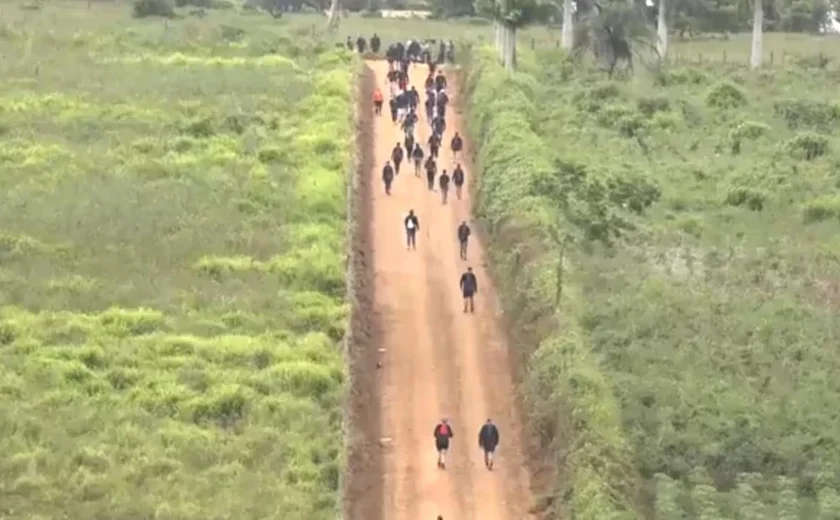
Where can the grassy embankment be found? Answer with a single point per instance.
(172, 295)
(668, 245)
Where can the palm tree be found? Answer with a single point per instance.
(614, 32)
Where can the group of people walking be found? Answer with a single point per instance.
(404, 103)
(488, 440)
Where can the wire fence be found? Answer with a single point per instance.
(679, 55)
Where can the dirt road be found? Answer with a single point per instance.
(436, 361)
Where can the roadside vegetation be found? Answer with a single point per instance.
(172, 215)
(667, 244)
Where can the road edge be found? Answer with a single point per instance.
(363, 483)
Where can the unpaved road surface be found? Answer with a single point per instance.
(436, 361)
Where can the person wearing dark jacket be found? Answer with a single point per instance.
(431, 172)
(412, 224)
(361, 44)
(443, 432)
(397, 155)
(434, 145)
(457, 144)
(374, 43)
(488, 439)
(430, 108)
(394, 109)
(439, 126)
(388, 176)
(440, 81)
(469, 286)
(442, 100)
(463, 236)
(409, 145)
(417, 155)
(458, 180)
(443, 182)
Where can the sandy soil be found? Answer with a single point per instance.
(420, 358)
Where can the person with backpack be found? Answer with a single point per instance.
(463, 236)
(387, 176)
(488, 439)
(443, 432)
(457, 144)
(397, 156)
(469, 286)
(412, 224)
(377, 102)
(431, 172)
(443, 182)
(417, 155)
(458, 180)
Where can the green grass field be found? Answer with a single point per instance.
(172, 214)
(682, 229)
(172, 294)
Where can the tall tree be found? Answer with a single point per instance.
(334, 17)
(568, 35)
(757, 51)
(662, 29)
(509, 16)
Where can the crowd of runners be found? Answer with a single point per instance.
(406, 106)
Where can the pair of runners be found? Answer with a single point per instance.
(488, 440)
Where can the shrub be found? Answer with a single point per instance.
(747, 130)
(803, 113)
(725, 95)
(807, 146)
(748, 197)
(146, 8)
(529, 203)
(650, 105)
(824, 208)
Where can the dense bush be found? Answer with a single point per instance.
(685, 268)
(528, 233)
(146, 8)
